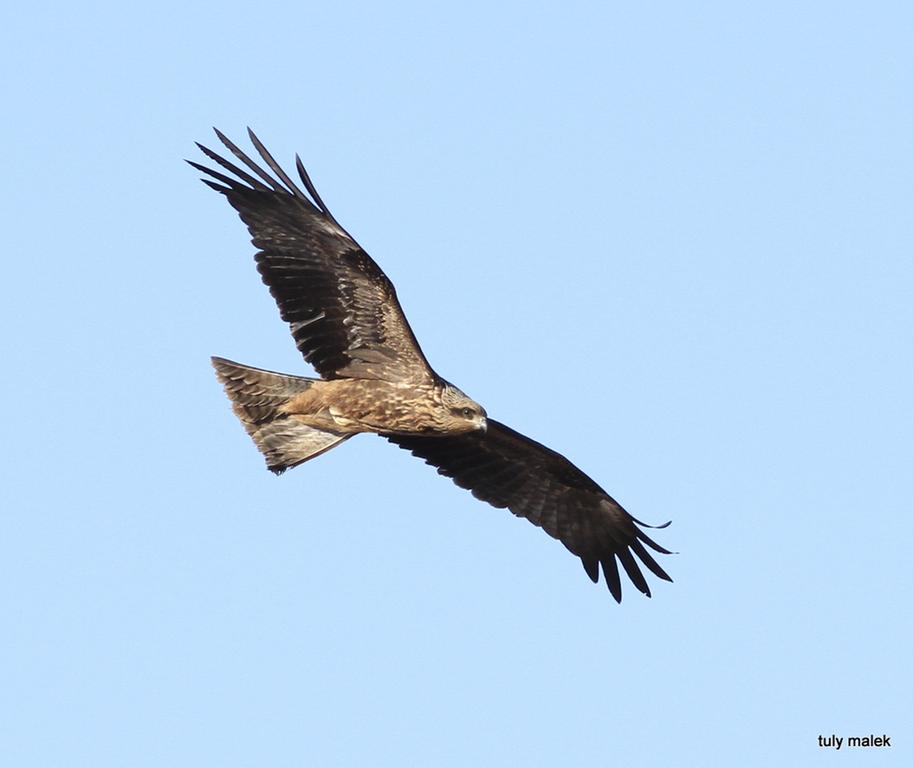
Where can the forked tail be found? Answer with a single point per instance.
(258, 398)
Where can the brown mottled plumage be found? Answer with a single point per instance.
(347, 322)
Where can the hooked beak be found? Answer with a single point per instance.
(483, 425)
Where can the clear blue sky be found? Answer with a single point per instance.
(673, 243)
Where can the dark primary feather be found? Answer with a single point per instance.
(507, 469)
(342, 308)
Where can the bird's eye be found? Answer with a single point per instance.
(467, 412)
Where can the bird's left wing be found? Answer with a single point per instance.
(507, 469)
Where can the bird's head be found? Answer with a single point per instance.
(460, 413)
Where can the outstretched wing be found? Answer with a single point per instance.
(506, 469)
(341, 307)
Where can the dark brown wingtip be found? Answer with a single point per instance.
(591, 566)
(216, 187)
(312, 190)
(654, 527)
(634, 573)
(652, 544)
(647, 559)
(229, 183)
(612, 579)
(274, 166)
(231, 167)
(242, 156)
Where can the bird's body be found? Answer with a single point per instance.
(358, 405)
(350, 406)
(347, 322)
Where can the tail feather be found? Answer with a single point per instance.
(258, 398)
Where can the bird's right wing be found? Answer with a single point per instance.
(507, 469)
(342, 308)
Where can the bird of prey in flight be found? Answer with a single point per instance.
(348, 324)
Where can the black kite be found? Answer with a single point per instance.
(348, 324)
